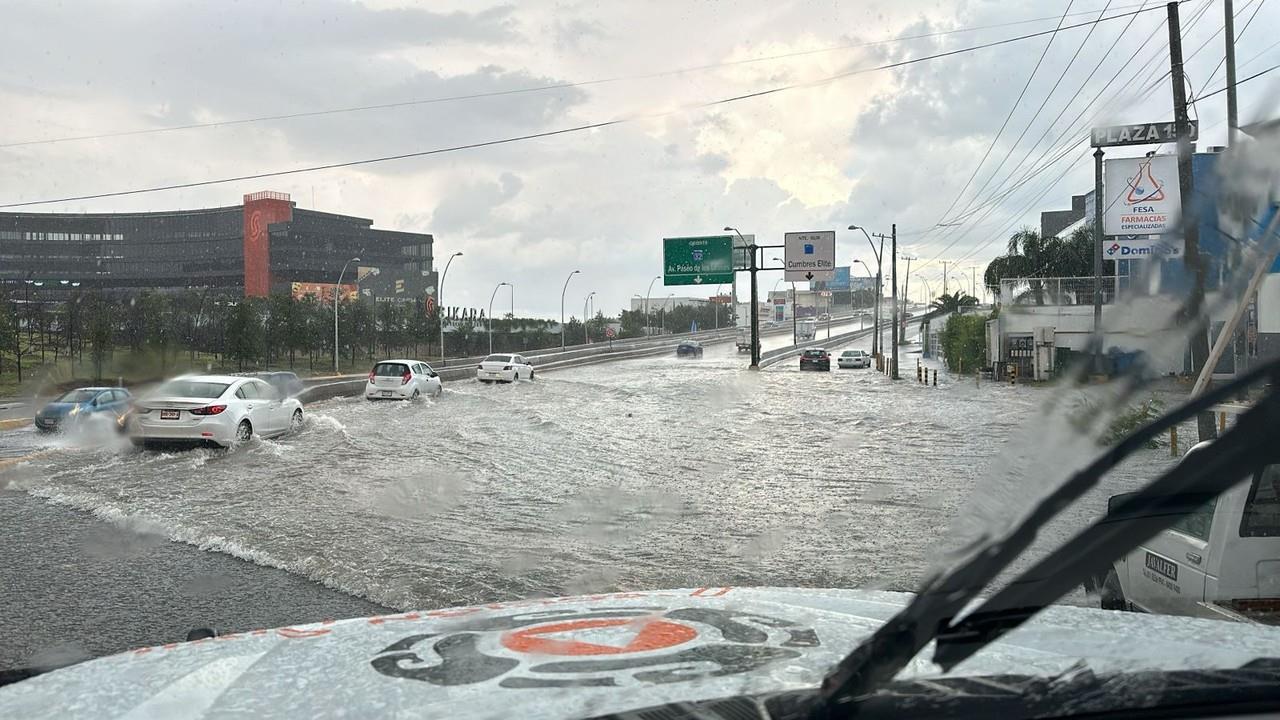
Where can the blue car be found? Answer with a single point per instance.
(81, 403)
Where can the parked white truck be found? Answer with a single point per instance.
(1221, 561)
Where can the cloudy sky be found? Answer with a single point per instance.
(871, 148)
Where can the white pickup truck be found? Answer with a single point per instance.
(1221, 561)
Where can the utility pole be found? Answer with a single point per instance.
(973, 282)
(944, 277)
(1097, 261)
(1229, 30)
(755, 310)
(894, 268)
(1190, 222)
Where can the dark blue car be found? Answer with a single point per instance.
(81, 403)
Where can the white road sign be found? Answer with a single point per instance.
(1140, 196)
(810, 255)
(1142, 247)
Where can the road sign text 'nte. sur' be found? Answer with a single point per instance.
(697, 260)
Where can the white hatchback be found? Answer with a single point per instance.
(504, 368)
(212, 409)
(402, 380)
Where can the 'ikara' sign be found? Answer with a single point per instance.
(810, 255)
(697, 260)
(1140, 196)
(1142, 134)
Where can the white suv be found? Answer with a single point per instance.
(402, 380)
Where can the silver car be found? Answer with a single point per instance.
(219, 410)
(402, 380)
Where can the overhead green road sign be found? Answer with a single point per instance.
(697, 260)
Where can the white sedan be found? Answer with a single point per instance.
(402, 380)
(853, 359)
(217, 410)
(504, 368)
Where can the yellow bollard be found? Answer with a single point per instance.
(935, 378)
(1222, 422)
(1173, 441)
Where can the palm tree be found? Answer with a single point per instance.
(952, 303)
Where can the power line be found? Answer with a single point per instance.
(1008, 116)
(1071, 128)
(562, 131)
(525, 90)
(1000, 193)
(1223, 59)
(1043, 103)
(1239, 82)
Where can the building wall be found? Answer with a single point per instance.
(1147, 324)
(260, 211)
(1053, 222)
(254, 248)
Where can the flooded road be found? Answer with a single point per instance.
(648, 473)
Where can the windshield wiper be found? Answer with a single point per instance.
(943, 595)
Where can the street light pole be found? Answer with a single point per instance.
(662, 311)
(876, 345)
(562, 292)
(586, 337)
(491, 297)
(440, 302)
(646, 304)
(336, 290)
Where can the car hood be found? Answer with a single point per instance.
(584, 656)
(58, 409)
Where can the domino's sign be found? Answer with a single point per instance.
(1142, 247)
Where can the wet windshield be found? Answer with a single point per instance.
(78, 396)
(390, 369)
(672, 352)
(192, 389)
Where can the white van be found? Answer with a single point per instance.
(1221, 561)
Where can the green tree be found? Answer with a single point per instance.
(244, 337)
(100, 324)
(1031, 256)
(963, 343)
(953, 302)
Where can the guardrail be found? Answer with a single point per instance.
(777, 355)
(334, 386)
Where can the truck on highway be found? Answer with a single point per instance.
(744, 339)
(1220, 560)
(806, 330)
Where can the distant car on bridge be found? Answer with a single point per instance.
(815, 359)
(689, 349)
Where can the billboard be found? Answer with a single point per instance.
(322, 291)
(1143, 247)
(841, 280)
(1140, 196)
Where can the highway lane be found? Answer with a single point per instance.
(653, 472)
